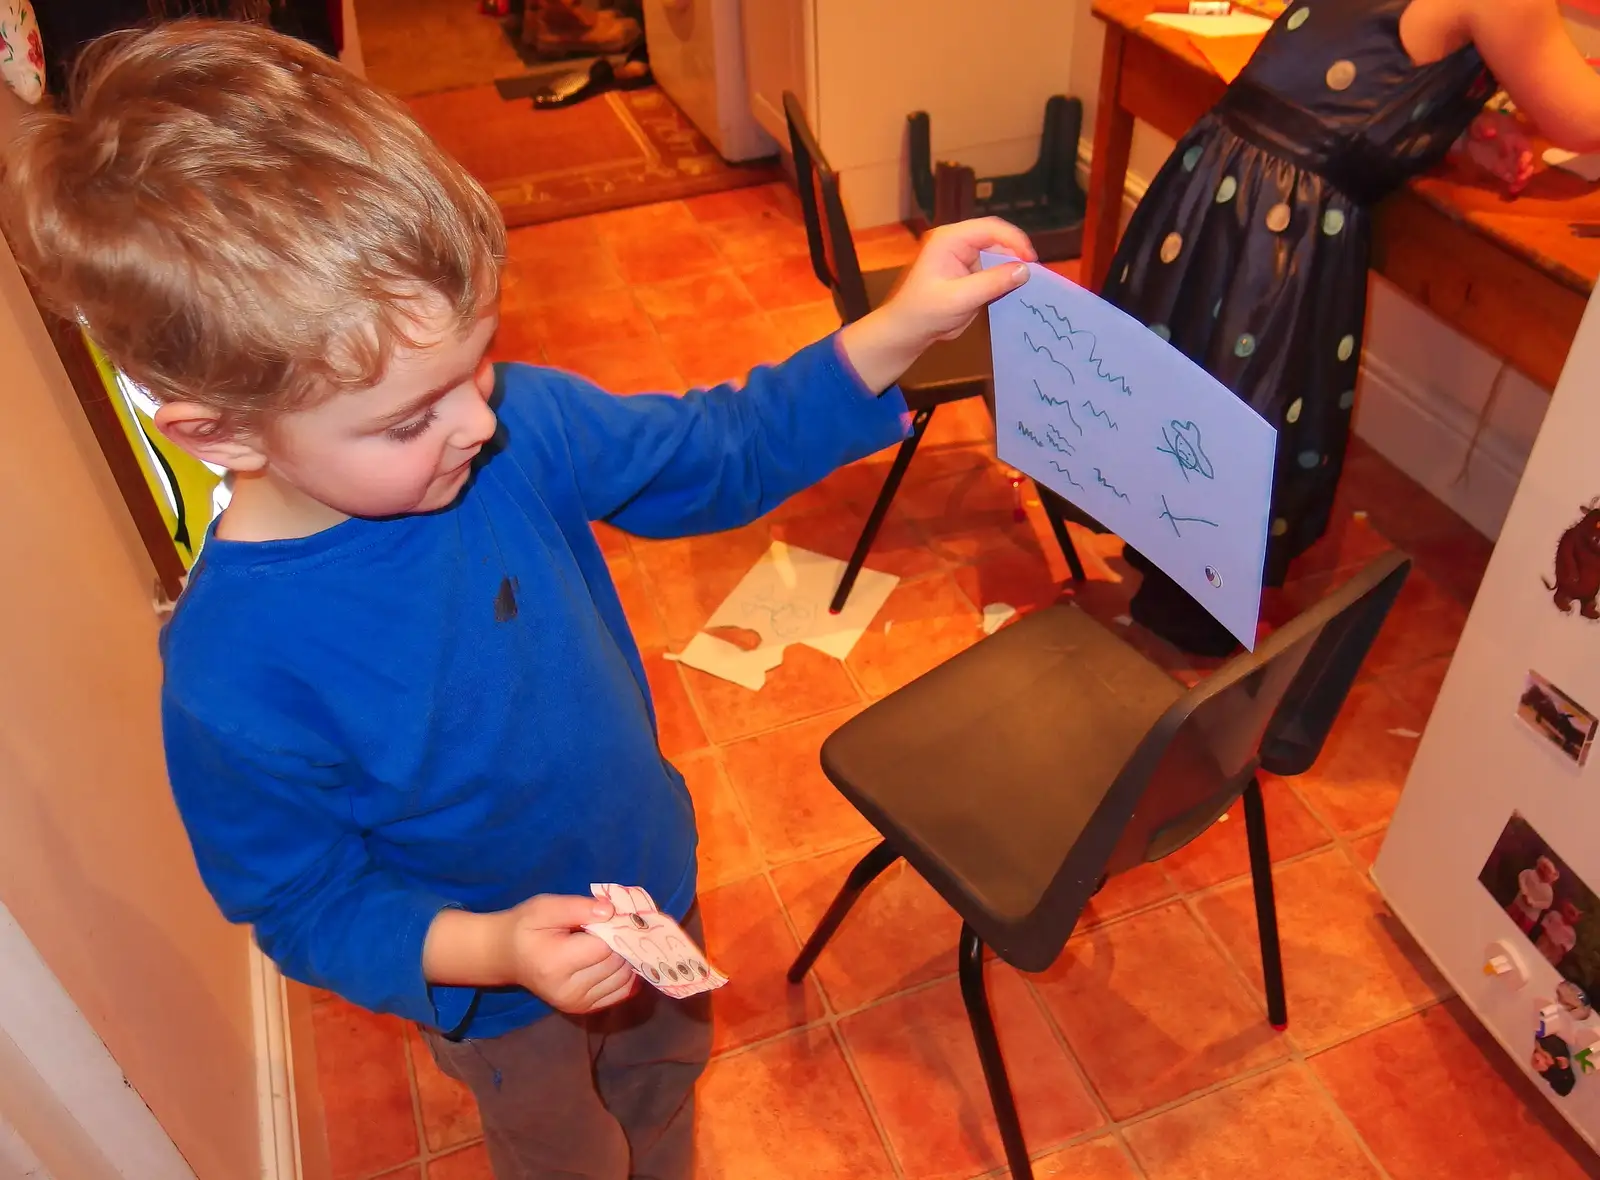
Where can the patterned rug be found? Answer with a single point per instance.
(610, 152)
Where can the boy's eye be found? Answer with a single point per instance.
(410, 430)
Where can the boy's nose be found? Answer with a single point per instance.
(475, 427)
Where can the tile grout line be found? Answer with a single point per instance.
(1298, 1054)
(878, 1125)
(830, 1021)
(1294, 1052)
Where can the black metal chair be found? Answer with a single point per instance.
(950, 371)
(1062, 756)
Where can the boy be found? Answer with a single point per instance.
(406, 724)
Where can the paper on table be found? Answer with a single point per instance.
(1100, 409)
(782, 600)
(1228, 56)
(1235, 24)
(656, 947)
(1586, 165)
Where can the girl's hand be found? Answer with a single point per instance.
(1499, 145)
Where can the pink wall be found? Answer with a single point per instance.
(93, 861)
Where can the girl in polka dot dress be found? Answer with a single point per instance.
(1249, 252)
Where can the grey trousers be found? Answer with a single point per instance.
(609, 1096)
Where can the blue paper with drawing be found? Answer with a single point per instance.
(1093, 405)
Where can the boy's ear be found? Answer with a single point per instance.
(201, 431)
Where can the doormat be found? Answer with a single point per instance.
(614, 151)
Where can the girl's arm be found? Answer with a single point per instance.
(1527, 47)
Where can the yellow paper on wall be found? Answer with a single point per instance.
(183, 488)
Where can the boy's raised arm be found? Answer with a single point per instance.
(715, 459)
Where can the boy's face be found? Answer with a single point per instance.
(403, 446)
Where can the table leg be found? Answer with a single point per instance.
(1108, 170)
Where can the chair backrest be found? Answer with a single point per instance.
(1270, 709)
(833, 250)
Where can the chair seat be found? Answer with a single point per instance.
(951, 370)
(984, 772)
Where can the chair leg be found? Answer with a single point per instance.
(1255, 826)
(867, 870)
(897, 472)
(976, 998)
(1058, 524)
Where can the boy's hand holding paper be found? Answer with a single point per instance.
(656, 947)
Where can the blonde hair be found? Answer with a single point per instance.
(239, 221)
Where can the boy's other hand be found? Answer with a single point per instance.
(540, 945)
(561, 963)
(938, 297)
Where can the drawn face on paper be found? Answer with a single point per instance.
(636, 955)
(653, 953)
(688, 963)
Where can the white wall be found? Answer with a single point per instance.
(982, 73)
(69, 1109)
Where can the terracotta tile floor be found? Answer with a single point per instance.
(1145, 1051)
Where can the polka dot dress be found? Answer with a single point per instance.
(1253, 261)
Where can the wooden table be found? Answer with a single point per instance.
(1507, 274)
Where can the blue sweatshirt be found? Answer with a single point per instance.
(393, 717)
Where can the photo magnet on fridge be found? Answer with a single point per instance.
(1577, 566)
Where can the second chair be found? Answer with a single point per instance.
(950, 371)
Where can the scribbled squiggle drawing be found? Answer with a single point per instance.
(1174, 521)
(1043, 319)
(1053, 401)
(1071, 341)
(1058, 441)
(1066, 473)
(1108, 485)
(1050, 356)
(1183, 444)
(1053, 438)
(1068, 407)
(1099, 413)
(783, 619)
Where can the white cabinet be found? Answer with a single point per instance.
(697, 56)
(982, 71)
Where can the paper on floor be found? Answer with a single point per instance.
(997, 615)
(783, 600)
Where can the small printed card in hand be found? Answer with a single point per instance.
(655, 946)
